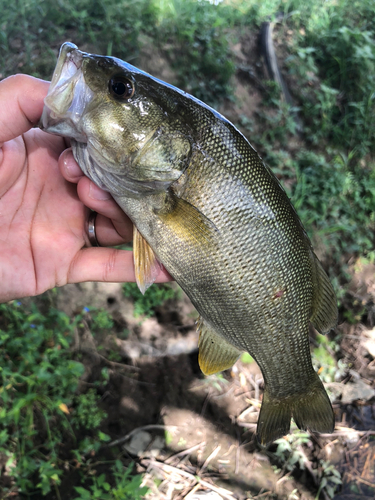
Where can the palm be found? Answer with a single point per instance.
(42, 227)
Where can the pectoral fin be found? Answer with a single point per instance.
(146, 265)
(215, 353)
(187, 222)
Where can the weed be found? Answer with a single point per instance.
(41, 416)
(87, 413)
(291, 455)
(246, 358)
(154, 297)
(289, 450)
(199, 53)
(100, 320)
(37, 377)
(324, 359)
(337, 201)
(330, 479)
(217, 381)
(200, 50)
(336, 48)
(126, 487)
(32, 31)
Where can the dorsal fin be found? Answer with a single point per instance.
(324, 310)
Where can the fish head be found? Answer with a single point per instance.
(128, 129)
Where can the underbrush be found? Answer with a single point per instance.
(48, 429)
(146, 304)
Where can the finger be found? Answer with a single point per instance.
(69, 168)
(21, 104)
(106, 264)
(103, 203)
(108, 236)
(112, 226)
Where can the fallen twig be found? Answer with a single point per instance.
(192, 491)
(210, 457)
(119, 365)
(361, 480)
(343, 431)
(184, 452)
(169, 469)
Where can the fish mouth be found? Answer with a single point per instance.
(67, 97)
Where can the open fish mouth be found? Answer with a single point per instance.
(67, 96)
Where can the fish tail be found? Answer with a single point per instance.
(274, 418)
(311, 411)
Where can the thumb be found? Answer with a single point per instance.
(21, 105)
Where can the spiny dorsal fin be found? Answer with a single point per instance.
(215, 353)
(146, 265)
(324, 311)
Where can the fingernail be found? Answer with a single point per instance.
(98, 194)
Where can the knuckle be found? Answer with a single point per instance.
(110, 266)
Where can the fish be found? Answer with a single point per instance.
(206, 207)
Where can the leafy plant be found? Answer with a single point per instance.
(200, 50)
(126, 487)
(40, 413)
(37, 381)
(217, 381)
(87, 413)
(154, 297)
(337, 201)
(334, 57)
(289, 450)
(246, 358)
(330, 479)
(33, 31)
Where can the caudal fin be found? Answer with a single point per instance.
(311, 411)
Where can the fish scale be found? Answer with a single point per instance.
(206, 207)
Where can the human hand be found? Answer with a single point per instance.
(43, 239)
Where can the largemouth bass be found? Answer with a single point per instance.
(205, 206)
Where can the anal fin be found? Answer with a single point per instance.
(146, 265)
(215, 353)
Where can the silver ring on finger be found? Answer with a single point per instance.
(91, 229)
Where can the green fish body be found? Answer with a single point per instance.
(206, 207)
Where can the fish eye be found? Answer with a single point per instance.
(121, 88)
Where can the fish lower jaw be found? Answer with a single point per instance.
(53, 124)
